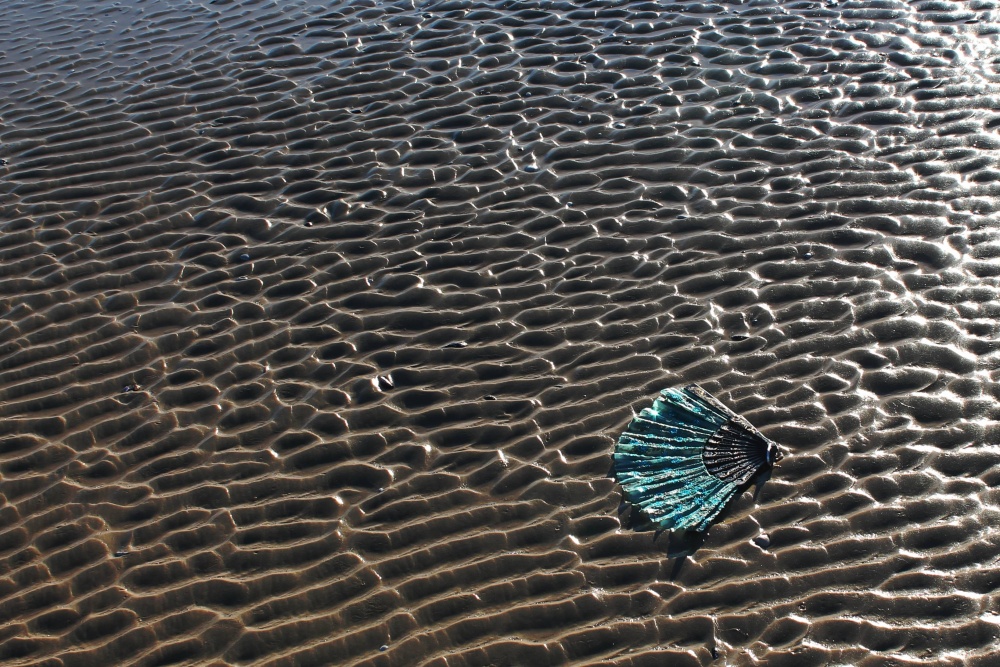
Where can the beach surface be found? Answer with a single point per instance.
(319, 322)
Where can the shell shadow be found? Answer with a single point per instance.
(680, 544)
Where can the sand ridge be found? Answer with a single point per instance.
(318, 323)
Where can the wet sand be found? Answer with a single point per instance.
(319, 321)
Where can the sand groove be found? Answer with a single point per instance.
(318, 323)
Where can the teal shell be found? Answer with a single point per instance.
(660, 458)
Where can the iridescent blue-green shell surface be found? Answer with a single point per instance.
(683, 459)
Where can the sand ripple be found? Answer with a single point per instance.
(318, 324)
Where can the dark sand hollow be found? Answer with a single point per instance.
(319, 320)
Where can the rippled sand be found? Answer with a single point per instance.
(318, 325)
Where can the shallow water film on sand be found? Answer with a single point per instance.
(319, 322)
